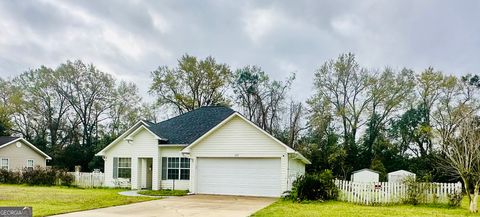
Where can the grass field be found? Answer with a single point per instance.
(336, 208)
(55, 200)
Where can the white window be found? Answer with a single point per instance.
(175, 168)
(124, 168)
(4, 164)
(29, 164)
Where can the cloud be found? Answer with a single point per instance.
(160, 23)
(260, 22)
(348, 25)
(131, 38)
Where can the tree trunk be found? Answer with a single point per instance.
(473, 203)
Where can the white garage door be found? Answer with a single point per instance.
(239, 176)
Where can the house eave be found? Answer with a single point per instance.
(127, 133)
(172, 145)
(297, 155)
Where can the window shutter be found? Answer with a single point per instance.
(164, 168)
(115, 167)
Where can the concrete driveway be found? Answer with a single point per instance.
(194, 205)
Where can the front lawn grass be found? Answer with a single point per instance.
(337, 208)
(55, 200)
(165, 192)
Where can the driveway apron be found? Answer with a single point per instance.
(194, 205)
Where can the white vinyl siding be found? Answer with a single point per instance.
(239, 139)
(240, 176)
(296, 168)
(143, 145)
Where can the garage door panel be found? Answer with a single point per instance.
(239, 176)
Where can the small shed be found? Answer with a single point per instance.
(400, 175)
(365, 175)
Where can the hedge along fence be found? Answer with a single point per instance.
(374, 193)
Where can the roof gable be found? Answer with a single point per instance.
(241, 117)
(224, 122)
(127, 134)
(8, 140)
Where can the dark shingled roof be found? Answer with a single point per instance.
(6, 139)
(188, 127)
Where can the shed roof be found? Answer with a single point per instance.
(366, 169)
(400, 172)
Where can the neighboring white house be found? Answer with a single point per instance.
(17, 154)
(211, 150)
(400, 175)
(365, 175)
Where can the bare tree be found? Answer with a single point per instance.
(458, 129)
(126, 108)
(5, 108)
(294, 126)
(89, 93)
(46, 108)
(344, 84)
(462, 156)
(261, 99)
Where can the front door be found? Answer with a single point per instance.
(146, 173)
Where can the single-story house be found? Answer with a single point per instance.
(17, 153)
(210, 150)
(400, 175)
(365, 175)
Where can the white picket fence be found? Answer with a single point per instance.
(88, 180)
(390, 192)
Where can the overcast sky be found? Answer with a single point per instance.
(129, 39)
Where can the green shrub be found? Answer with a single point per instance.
(37, 176)
(455, 200)
(414, 193)
(64, 178)
(417, 192)
(314, 187)
(10, 177)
